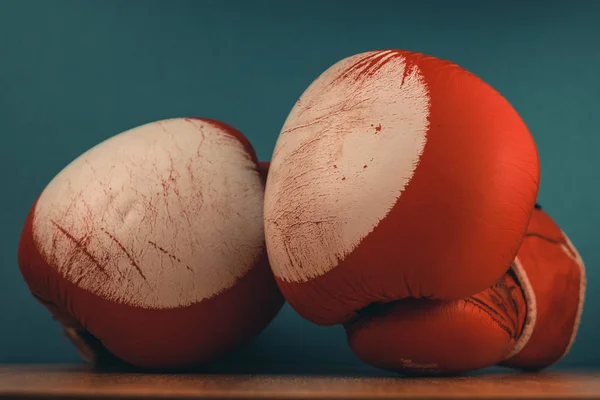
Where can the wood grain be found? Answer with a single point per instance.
(78, 382)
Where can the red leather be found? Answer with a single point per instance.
(396, 175)
(177, 168)
(553, 278)
(528, 319)
(440, 336)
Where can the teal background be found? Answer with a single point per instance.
(73, 73)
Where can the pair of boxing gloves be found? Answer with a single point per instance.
(399, 201)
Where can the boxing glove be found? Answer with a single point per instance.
(150, 248)
(396, 175)
(527, 320)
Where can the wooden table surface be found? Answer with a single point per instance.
(22, 381)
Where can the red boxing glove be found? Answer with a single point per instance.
(527, 320)
(150, 246)
(552, 275)
(396, 175)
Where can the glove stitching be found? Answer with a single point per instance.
(492, 314)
